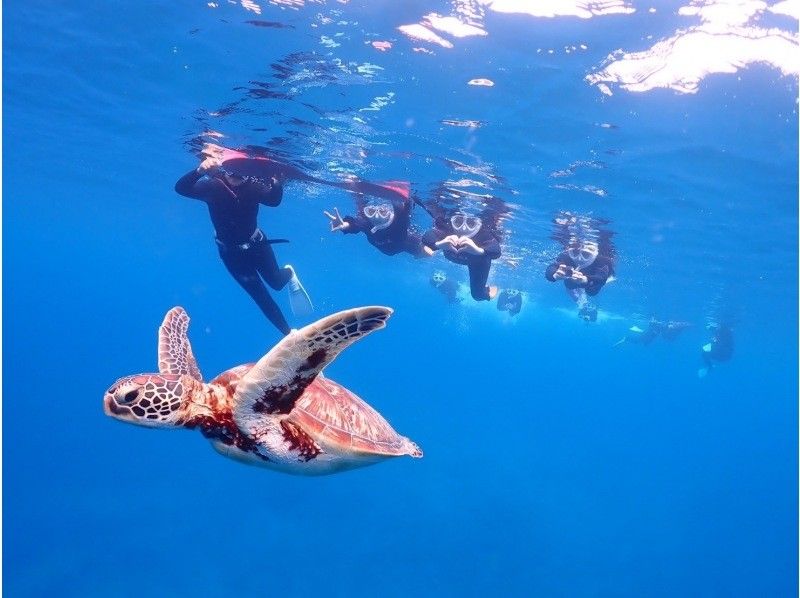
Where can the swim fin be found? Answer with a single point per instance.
(707, 348)
(299, 300)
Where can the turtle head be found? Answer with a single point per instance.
(153, 400)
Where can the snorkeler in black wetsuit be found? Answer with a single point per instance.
(586, 261)
(718, 349)
(233, 204)
(582, 266)
(446, 286)
(473, 241)
(669, 331)
(672, 329)
(385, 221)
(510, 300)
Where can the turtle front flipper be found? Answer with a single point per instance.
(174, 350)
(279, 378)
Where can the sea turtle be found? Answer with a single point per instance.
(280, 412)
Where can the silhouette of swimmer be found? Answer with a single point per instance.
(672, 330)
(386, 222)
(669, 331)
(233, 202)
(446, 286)
(719, 349)
(469, 239)
(510, 300)
(588, 312)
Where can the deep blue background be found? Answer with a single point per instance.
(554, 465)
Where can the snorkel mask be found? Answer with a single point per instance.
(465, 225)
(438, 278)
(583, 254)
(508, 300)
(380, 216)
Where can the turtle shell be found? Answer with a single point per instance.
(337, 418)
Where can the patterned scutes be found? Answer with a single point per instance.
(336, 416)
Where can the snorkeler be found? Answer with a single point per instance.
(471, 240)
(233, 203)
(386, 221)
(640, 336)
(587, 312)
(510, 300)
(669, 331)
(672, 329)
(446, 286)
(586, 261)
(582, 267)
(718, 349)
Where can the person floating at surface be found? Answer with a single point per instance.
(471, 240)
(584, 267)
(669, 331)
(510, 300)
(640, 336)
(446, 286)
(385, 220)
(588, 312)
(233, 203)
(718, 349)
(586, 261)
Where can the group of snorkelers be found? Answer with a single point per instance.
(718, 349)
(383, 214)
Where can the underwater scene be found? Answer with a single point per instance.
(421, 298)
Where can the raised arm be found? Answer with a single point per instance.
(268, 194)
(346, 224)
(413, 245)
(491, 248)
(355, 224)
(431, 240)
(552, 270)
(191, 185)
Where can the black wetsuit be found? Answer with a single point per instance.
(478, 265)
(244, 249)
(645, 337)
(512, 303)
(448, 288)
(395, 238)
(671, 330)
(597, 273)
(721, 346)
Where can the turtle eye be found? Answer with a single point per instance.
(128, 397)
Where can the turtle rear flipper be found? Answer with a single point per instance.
(174, 350)
(279, 378)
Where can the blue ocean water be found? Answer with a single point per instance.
(555, 464)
